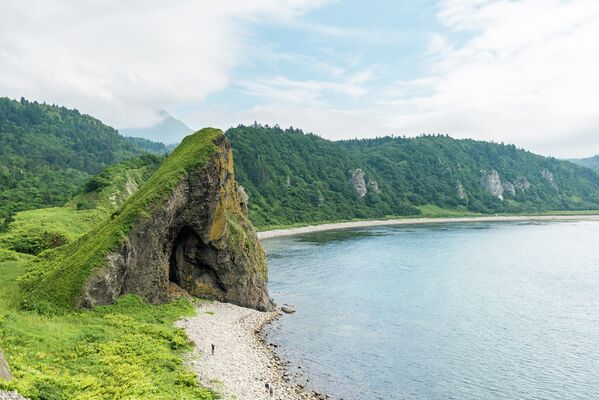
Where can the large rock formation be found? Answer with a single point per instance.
(197, 239)
(491, 182)
(548, 176)
(358, 182)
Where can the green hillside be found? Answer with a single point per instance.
(590, 162)
(292, 177)
(48, 152)
(34, 231)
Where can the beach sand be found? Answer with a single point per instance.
(418, 221)
(242, 362)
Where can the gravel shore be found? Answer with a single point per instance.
(242, 362)
(11, 396)
(419, 221)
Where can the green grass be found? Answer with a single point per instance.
(129, 350)
(55, 280)
(34, 231)
(37, 230)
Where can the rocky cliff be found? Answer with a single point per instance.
(491, 182)
(186, 229)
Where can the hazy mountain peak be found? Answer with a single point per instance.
(169, 130)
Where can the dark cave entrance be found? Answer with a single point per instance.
(191, 265)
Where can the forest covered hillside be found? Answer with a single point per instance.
(590, 162)
(292, 177)
(48, 152)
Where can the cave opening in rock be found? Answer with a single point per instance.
(192, 265)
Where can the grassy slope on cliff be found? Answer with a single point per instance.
(56, 278)
(297, 178)
(48, 152)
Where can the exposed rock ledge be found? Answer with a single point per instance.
(198, 239)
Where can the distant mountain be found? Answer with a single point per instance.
(590, 162)
(169, 130)
(292, 177)
(47, 152)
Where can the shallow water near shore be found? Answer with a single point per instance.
(448, 311)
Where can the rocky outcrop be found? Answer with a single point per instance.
(198, 239)
(548, 176)
(509, 188)
(358, 182)
(522, 185)
(243, 198)
(4, 368)
(491, 182)
(374, 186)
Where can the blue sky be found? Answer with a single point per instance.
(517, 71)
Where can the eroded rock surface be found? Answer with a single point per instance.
(548, 176)
(491, 182)
(358, 182)
(199, 240)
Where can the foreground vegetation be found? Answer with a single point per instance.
(127, 350)
(297, 178)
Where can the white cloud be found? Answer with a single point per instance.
(306, 91)
(123, 60)
(527, 75)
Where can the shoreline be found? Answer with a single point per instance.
(262, 235)
(243, 361)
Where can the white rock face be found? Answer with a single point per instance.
(548, 176)
(492, 183)
(358, 182)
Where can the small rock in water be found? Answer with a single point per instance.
(287, 310)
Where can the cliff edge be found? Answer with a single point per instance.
(185, 230)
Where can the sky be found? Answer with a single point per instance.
(515, 71)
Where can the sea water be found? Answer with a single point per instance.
(447, 311)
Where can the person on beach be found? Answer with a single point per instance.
(212, 345)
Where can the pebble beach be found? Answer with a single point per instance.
(243, 362)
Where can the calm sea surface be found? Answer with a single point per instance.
(456, 311)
